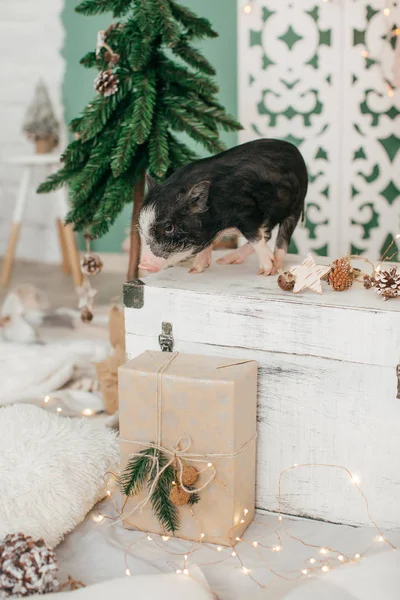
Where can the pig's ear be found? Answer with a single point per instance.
(198, 195)
(150, 182)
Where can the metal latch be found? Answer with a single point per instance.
(398, 381)
(165, 338)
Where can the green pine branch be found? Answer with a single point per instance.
(170, 72)
(167, 26)
(192, 57)
(97, 114)
(97, 7)
(196, 27)
(182, 121)
(179, 154)
(193, 498)
(136, 472)
(166, 512)
(158, 147)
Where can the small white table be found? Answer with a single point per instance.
(69, 251)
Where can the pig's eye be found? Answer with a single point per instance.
(169, 228)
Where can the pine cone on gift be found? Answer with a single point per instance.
(27, 567)
(106, 83)
(387, 283)
(342, 275)
(91, 264)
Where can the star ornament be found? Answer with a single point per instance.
(308, 275)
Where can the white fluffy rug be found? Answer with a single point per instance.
(51, 470)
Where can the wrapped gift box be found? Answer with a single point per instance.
(210, 401)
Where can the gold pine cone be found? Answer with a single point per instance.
(342, 275)
(189, 475)
(178, 496)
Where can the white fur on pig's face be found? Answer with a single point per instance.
(146, 219)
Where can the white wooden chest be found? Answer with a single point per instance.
(328, 379)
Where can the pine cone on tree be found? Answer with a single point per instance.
(387, 283)
(106, 83)
(91, 264)
(27, 567)
(342, 275)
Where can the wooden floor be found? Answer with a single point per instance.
(60, 288)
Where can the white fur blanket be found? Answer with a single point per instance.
(28, 372)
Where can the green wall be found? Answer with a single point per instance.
(78, 89)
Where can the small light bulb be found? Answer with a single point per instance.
(396, 31)
(325, 568)
(246, 510)
(279, 518)
(203, 535)
(233, 553)
(340, 557)
(186, 557)
(276, 548)
(88, 412)
(127, 572)
(357, 555)
(59, 409)
(365, 53)
(165, 538)
(386, 11)
(255, 544)
(46, 399)
(380, 538)
(312, 561)
(219, 549)
(390, 91)
(355, 479)
(323, 551)
(149, 538)
(178, 571)
(185, 572)
(98, 518)
(242, 521)
(398, 236)
(304, 571)
(238, 539)
(173, 483)
(295, 465)
(108, 493)
(209, 465)
(247, 9)
(245, 570)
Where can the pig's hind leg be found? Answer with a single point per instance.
(237, 257)
(285, 232)
(202, 261)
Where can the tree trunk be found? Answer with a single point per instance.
(134, 251)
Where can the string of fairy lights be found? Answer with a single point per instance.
(328, 558)
(392, 32)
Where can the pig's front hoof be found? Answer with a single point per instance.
(266, 270)
(196, 269)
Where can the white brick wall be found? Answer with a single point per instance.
(31, 39)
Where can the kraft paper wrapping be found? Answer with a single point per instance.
(216, 408)
(107, 370)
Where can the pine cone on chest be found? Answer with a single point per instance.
(342, 275)
(387, 283)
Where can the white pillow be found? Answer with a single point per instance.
(51, 470)
(143, 587)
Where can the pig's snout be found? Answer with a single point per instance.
(150, 262)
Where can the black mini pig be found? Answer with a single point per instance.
(252, 188)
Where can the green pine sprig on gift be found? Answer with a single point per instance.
(140, 471)
(159, 84)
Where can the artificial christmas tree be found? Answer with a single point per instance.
(40, 124)
(144, 95)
